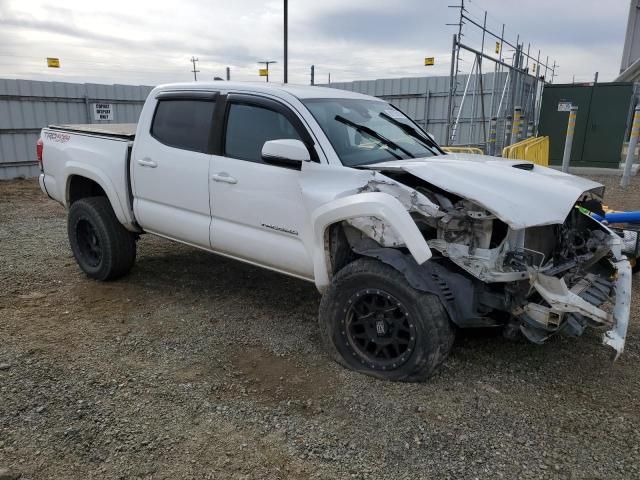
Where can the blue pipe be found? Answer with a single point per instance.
(623, 217)
(615, 217)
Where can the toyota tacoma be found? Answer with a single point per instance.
(405, 243)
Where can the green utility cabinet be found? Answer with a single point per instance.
(604, 115)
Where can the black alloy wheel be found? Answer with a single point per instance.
(373, 321)
(88, 243)
(379, 329)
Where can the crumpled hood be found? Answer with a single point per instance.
(520, 198)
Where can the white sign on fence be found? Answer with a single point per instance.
(103, 111)
(564, 106)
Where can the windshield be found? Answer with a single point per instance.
(363, 132)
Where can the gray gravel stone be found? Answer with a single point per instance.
(7, 474)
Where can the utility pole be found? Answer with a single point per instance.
(195, 72)
(329, 78)
(553, 71)
(452, 88)
(546, 68)
(286, 40)
(228, 74)
(455, 68)
(313, 74)
(266, 64)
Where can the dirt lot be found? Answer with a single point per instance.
(196, 366)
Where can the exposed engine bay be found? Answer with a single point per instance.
(539, 280)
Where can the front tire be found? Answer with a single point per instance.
(374, 322)
(103, 248)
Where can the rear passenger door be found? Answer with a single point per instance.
(257, 209)
(170, 168)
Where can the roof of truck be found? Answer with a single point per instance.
(298, 91)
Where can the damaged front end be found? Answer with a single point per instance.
(554, 278)
(540, 280)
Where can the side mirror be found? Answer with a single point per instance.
(288, 152)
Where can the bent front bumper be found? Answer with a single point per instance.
(616, 337)
(565, 304)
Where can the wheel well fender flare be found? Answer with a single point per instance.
(76, 169)
(372, 204)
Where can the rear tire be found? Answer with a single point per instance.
(103, 248)
(374, 322)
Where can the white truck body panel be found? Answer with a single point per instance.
(273, 235)
(174, 202)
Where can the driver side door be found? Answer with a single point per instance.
(257, 210)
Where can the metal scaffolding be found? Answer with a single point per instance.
(517, 82)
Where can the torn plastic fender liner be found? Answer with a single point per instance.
(374, 204)
(456, 292)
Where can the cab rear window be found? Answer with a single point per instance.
(184, 123)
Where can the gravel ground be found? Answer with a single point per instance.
(195, 366)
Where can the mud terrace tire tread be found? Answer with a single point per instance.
(117, 243)
(435, 331)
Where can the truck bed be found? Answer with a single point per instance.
(98, 152)
(126, 131)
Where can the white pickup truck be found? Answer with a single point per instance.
(405, 243)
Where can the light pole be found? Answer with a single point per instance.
(286, 40)
(266, 64)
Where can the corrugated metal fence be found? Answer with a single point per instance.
(426, 100)
(26, 106)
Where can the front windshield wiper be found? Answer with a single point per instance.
(372, 133)
(408, 129)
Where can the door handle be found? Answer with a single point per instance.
(147, 162)
(223, 177)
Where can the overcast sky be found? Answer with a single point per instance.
(151, 42)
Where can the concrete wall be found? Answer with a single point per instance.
(26, 106)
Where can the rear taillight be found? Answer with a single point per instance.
(39, 149)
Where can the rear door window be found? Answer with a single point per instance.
(184, 123)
